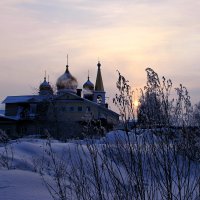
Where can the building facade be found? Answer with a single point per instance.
(64, 114)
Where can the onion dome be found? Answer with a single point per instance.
(45, 88)
(67, 82)
(88, 89)
(88, 85)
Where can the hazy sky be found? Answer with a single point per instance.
(128, 35)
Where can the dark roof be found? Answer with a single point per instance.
(24, 99)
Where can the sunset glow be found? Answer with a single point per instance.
(125, 35)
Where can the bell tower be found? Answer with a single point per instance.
(99, 93)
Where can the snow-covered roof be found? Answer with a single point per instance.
(23, 99)
(15, 118)
(2, 112)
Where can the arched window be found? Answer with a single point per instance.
(99, 99)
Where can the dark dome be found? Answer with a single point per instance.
(67, 82)
(45, 88)
(88, 85)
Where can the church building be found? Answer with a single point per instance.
(64, 114)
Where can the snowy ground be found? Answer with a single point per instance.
(23, 180)
(22, 185)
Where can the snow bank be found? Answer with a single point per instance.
(22, 185)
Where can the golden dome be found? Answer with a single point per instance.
(67, 82)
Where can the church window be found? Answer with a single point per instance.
(88, 109)
(33, 108)
(79, 108)
(63, 108)
(71, 108)
(8, 131)
(99, 99)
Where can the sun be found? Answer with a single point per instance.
(136, 103)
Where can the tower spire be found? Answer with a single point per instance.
(88, 75)
(99, 81)
(67, 66)
(45, 75)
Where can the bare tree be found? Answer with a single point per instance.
(151, 162)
